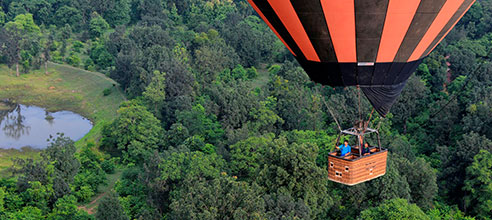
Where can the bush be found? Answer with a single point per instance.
(73, 60)
(84, 194)
(109, 165)
(77, 46)
(107, 92)
(89, 65)
(56, 57)
(252, 72)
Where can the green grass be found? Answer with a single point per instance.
(6, 156)
(64, 88)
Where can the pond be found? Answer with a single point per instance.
(31, 126)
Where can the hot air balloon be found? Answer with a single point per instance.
(372, 44)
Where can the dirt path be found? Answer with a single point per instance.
(92, 208)
(112, 178)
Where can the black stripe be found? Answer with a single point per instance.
(448, 26)
(393, 72)
(343, 74)
(407, 71)
(369, 21)
(424, 17)
(311, 15)
(275, 21)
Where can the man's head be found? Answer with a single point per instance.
(345, 143)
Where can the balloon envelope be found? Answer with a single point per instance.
(375, 44)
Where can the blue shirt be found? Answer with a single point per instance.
(344, 150)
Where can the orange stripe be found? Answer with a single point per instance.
(285, 11)
(340, 17)
(451, 28)
(446, 13)
(270, 25)
(398, 19)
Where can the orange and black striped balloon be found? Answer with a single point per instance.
(375, 44)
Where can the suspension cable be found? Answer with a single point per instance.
(370, 117)
(360, 113)
(329, 109)
(377, 131)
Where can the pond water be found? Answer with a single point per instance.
(31, 126)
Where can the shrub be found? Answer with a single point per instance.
(89, 64)
(109, 165)
(73, 60)
(77, 45)
(107, 92)
(84, 194)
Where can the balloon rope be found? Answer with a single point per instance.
(370, 117)
(329, 109)
(377, 129)
(360, 112)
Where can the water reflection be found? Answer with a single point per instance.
(13, 123)
(30, 125)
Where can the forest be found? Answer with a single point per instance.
(221, 122)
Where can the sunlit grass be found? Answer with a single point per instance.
(64, 88)
(7, 155)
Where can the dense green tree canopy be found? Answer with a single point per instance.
(394, 209)
(223, 123)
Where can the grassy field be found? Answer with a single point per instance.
(6, 156)
(64, 88)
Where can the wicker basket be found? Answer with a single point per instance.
(353, 169)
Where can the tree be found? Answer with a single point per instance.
(455, 160)
(91, 173)
(134, 195)
(2, 198)
(421, 178)
(478, 185)
(246, 155)
(264, 118)
(136, 132)
(67, 15)
(411, 102)
(155, 92)
(10, 41)
(198, 122)
(179, 168)
(284, 207)
(176, 135)
(119, 14)
(221, 198)
(27, 213)
(66, 209)
(290, 168)
(394, 209)
(20, 43)
(61, 153)
(297, 105)
(46, 55)
(3, 17)
(97, 26)
(212, 55)
(24, 23)
(250, 50)
(62, 164)
(110, 208)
